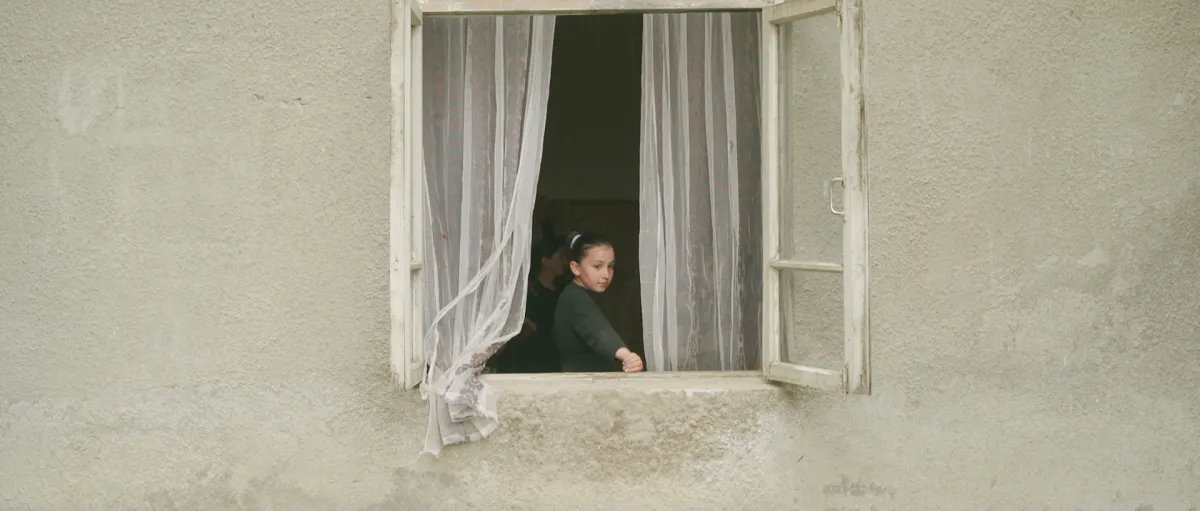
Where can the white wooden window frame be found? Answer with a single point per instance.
(854, 376)
(407, 197)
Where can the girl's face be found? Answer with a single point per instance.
(594, 273)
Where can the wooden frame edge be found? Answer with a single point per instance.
(497, 7)
(400, 213)
(795, 10)
(854, 170)
(804, 376)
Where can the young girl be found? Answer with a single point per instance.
(586, 340)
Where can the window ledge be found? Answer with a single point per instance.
(707, 382)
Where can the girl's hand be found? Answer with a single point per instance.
(632, 364)
(630, 361)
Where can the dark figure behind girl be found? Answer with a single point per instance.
(586, 340)
(533, 350)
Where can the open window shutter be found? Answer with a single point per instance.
(815, 316)
(407, 198)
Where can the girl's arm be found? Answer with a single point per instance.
(599, 335)
(595, 330)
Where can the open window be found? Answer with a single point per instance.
(815, 327)
(407, 198)
(815, 324)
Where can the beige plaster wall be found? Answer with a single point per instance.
(193, 293)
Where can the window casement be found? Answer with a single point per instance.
(407, 196)
(854, 375)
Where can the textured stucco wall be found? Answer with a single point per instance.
(193, 245)
(1035, 223)
(191, 193)
(193, 306)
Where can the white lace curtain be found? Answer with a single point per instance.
(486, 85)
(700, 232)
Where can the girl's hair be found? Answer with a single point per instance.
(579, 243)
(544, 248)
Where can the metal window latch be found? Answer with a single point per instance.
(842, 182)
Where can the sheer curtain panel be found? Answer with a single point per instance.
(700, 261)
(486, 83)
